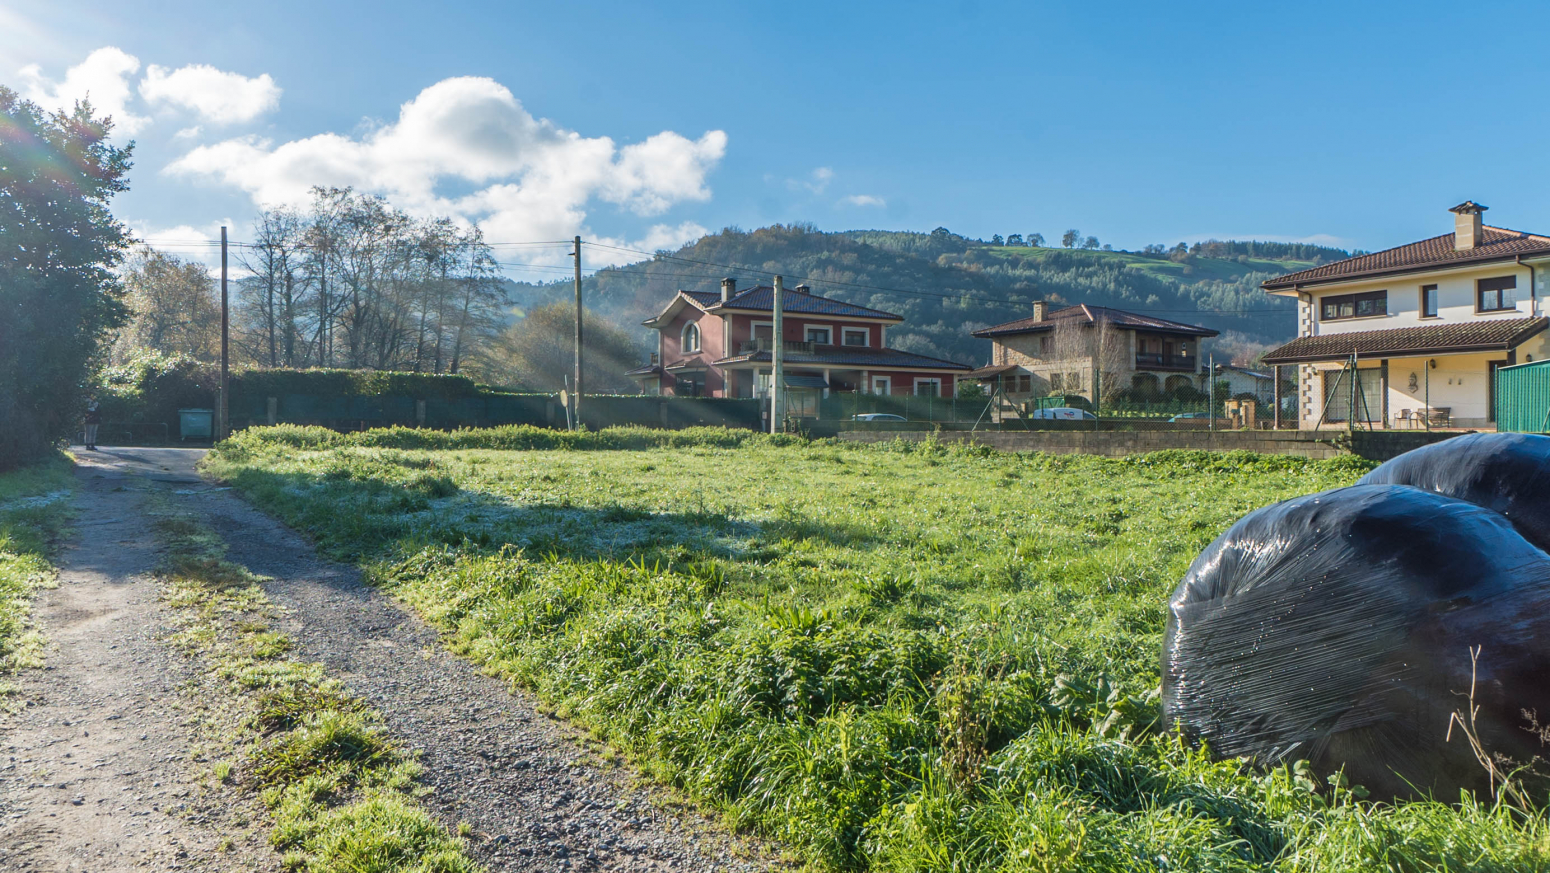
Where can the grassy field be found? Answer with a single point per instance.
(33, 512)
(900, 657)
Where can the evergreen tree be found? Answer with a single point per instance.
(59, 297)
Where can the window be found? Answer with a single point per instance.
(857, 336)
(928, 387)
(1024, 384)
(1495, 295)
(1428, 301)
(1073, 381)
(690, 341)
(1057, 382)
(1354, 306)
(880, 385)
(819, 335)
(1043, 345)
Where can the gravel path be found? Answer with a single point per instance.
(535, 798)
(97, 770)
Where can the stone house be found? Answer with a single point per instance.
(1073, 349)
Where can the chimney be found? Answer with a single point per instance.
(728, 289)
(1040, 310)
(804, 289)
(1467, 225)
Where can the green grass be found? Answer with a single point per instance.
(34, 511)
(342, 797)
(897, 657)
(1220, 269)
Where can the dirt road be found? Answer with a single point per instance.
(534, 798)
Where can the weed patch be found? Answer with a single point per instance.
(34, 512)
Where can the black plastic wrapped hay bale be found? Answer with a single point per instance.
(1337, 627)
(1505, 472)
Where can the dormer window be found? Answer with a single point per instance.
(690, 341)
(857, 336)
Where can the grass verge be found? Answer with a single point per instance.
(34, 512)
(342, 797)
(905, 657)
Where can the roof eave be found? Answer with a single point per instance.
(1287, 284)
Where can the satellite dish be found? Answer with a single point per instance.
(565, 398)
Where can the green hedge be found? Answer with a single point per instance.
(350, 383)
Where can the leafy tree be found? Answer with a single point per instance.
(173, 308)
(1015, 239)
(996, 240)
(59, 297)
(942, 233)
(1090, 243)
(537, 352)
(1036, 240)
(1071, 238)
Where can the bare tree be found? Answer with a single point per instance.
(272, 307)
(1090, 356)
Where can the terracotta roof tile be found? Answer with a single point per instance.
(840, 356)
(762, 298)
(1485, 335)
(1497, 244)
(1085, 314)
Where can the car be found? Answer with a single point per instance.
(878, 416)
(1062, 413)
(1187, 416)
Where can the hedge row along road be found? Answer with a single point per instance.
(119, 753)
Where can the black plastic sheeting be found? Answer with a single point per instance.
(1338, 627)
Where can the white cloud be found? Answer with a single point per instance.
(103, 78)
(862, 200)
(816, 182)
(216, 95)
(538, 179)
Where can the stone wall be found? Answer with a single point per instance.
(1376, 445)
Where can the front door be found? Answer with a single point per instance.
(1490, 387)
(880, 385)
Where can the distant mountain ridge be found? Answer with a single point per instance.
(946, 286)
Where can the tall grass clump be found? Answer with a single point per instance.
(34, 509)
(904, 657)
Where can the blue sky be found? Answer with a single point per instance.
(1352, 123)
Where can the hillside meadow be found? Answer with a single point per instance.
(896, 657)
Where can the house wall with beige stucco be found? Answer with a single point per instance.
(1459, 383)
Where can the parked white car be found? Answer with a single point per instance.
(877, 416)
(1062, 413)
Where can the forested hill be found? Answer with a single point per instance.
(946, 286)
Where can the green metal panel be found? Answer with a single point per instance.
(1522, 394)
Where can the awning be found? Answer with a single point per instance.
(803, 380)
(1458, 338)
(991, 372)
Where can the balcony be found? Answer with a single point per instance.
(749, 347)
(1148, 361)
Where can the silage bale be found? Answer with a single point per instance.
(1338, 628)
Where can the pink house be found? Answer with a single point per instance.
(718, 345)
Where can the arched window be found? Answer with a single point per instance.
(690, 341)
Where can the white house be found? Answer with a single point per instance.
(1426, 325)
(1245, 380)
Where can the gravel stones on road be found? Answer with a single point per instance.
(96, 769)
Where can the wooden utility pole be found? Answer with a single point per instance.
(576, 396)
(777, 361)
(222, 402)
